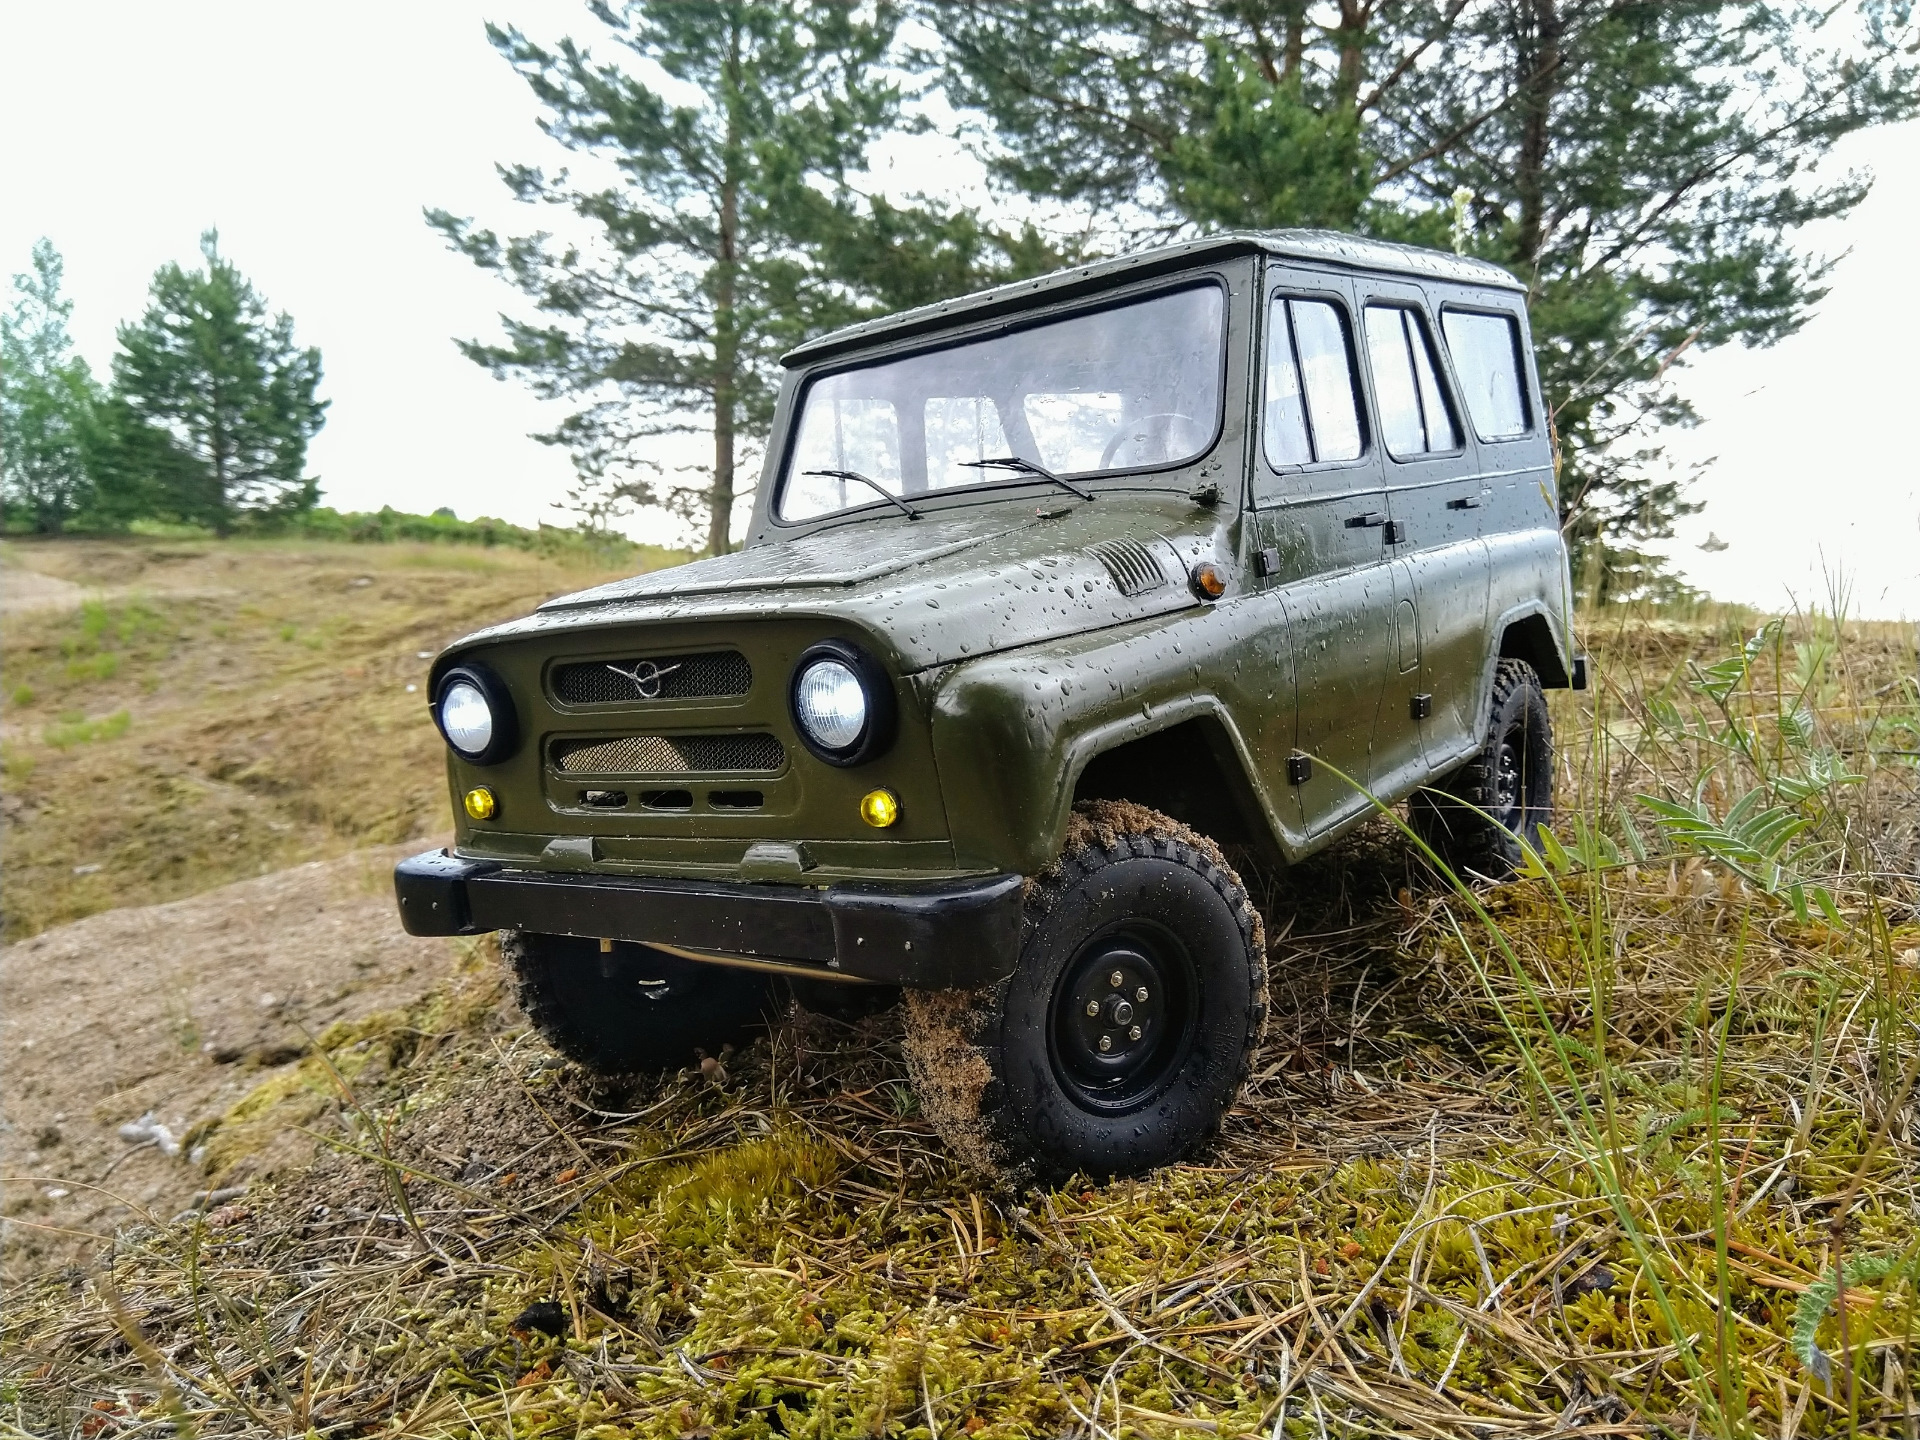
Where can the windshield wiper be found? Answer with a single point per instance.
(1027, 467)
(871, 484)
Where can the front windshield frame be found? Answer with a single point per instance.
(993, 481)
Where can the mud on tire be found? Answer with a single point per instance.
(633, 1010)
(1510, 780)
(1057, 1069)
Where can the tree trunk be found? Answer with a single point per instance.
(1350, 40)
(1538, 35)
(1294, 49)
(726, 338)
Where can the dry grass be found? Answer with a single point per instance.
(224, 709)
(1626, 1148)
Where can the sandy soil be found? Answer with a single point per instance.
(25, 590)
(175, 1011)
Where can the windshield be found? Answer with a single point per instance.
(1125, 388)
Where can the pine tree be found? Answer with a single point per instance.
(1643, 167)
(49, 404)
(718, 229)
(216, 401)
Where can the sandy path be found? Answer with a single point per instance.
(22, 591)
(177, 1010)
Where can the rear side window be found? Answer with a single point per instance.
(1414, 416)
(1312, 415)
(1486, 357)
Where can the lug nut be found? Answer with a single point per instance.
(1134, 1033)
(1106, 1042)
(1093, 1007)
(1141, 994)
(1116, 979)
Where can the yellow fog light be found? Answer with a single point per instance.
(481, 804)
(880, 808)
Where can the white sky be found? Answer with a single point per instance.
(313, 136)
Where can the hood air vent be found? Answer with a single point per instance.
(671, 755)
(707, 676)
(1131, 564)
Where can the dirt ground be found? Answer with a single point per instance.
(174, 1012)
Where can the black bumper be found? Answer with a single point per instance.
(936, 937)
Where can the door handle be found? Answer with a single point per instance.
(1465, 502)
(1372, 520)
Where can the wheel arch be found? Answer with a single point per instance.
(1528, 634)
(1190, 770)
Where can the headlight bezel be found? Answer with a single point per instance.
(506, 731)
(876, 735)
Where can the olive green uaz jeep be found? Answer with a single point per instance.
(1047, 590)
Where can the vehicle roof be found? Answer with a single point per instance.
(1328, 247)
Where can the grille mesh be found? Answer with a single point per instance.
(1131, 564)
(653, 677)
(671, 755)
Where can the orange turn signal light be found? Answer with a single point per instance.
(480, 804)
(880, 808)
(1208, 582)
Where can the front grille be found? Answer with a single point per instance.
(711, 675)
(670, 755)
(1131, 564)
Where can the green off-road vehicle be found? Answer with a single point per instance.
(1049, 592)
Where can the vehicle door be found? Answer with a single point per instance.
(1319, 531)
(1434, 499)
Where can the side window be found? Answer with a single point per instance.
(1311, 411)
(1486, 357)
(1414, 417)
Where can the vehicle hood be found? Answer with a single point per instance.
(950, 586)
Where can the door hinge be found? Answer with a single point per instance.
(1372, 520)
(1421, 707)
(1299, 769)
(1465, 502)
(1396, 533)
(1266, 562)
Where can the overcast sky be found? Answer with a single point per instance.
(312, 136)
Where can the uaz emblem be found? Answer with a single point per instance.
(646, 677)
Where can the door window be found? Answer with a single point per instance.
(1312, 415)
(1414, 417)
(1486, 357)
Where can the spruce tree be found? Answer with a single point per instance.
(1643, 167)
(49, 404)
(712, 228)
(214, 397)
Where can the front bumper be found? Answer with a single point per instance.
(935, 937)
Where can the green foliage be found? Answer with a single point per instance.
(724, 231)
(49, 405)
(214, 400)
(73, 728)
(1818, 1298)
(1644, 168)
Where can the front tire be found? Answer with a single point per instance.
(633, 1010)
(1477, 818)
(1063, 1068)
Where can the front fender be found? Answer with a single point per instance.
(1012, 732)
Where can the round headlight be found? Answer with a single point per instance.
(474, 711)
(842, 703)
(466, 719)
(831, 704)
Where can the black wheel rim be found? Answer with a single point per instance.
(1116, 1043)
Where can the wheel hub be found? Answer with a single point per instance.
(1118, 1016)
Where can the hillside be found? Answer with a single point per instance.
(1629, 1147)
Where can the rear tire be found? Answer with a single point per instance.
(1476, 817)
(633, 1010)
(1016, 1077)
